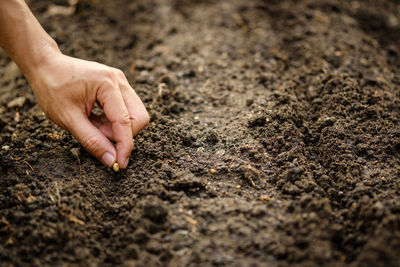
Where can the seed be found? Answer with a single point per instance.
(116, 167)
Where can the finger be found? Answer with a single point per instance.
(103, 124)
(115, 110)
(137, 111)
(92, 139)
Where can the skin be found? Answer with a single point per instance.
(67, 88)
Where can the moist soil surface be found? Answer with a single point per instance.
(274, 139)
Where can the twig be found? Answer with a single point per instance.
(29, 165)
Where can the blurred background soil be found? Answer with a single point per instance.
(274, 138)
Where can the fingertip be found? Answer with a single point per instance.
(92, 139)
(123, 164)
(108, 159)
(124, 152)
(126, 163)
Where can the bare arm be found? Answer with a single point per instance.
(22, 37)
(67, 88)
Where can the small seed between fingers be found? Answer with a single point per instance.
(116, 167)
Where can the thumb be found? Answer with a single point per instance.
(92, 140)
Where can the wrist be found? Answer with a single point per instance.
(38, 57)
(23, 38)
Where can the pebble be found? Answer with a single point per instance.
(5, 148)
(220, 152)
(170, 80)
(11, 72)
(265, 198)
(17, 102)
(327, 121)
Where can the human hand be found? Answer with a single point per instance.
(67, 88)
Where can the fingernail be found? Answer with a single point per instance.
(108, 159)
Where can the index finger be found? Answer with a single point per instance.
(138, 113)
(110, 98)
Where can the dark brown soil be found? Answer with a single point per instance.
(274, 140)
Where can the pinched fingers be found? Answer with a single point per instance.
(124, 114)
(110, 98)
(91, 138)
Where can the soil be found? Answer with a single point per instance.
(274, 139)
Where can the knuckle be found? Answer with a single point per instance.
(108, 78)
(119, 73)
(125, 120)
(108, 72)
(91, 143)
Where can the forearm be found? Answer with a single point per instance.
(22, 37)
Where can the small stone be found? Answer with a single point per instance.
(17, 102)
(220, 152)
(170, 80)
(326, 122)
(11, 72)
(212, 171)
(5, 148)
